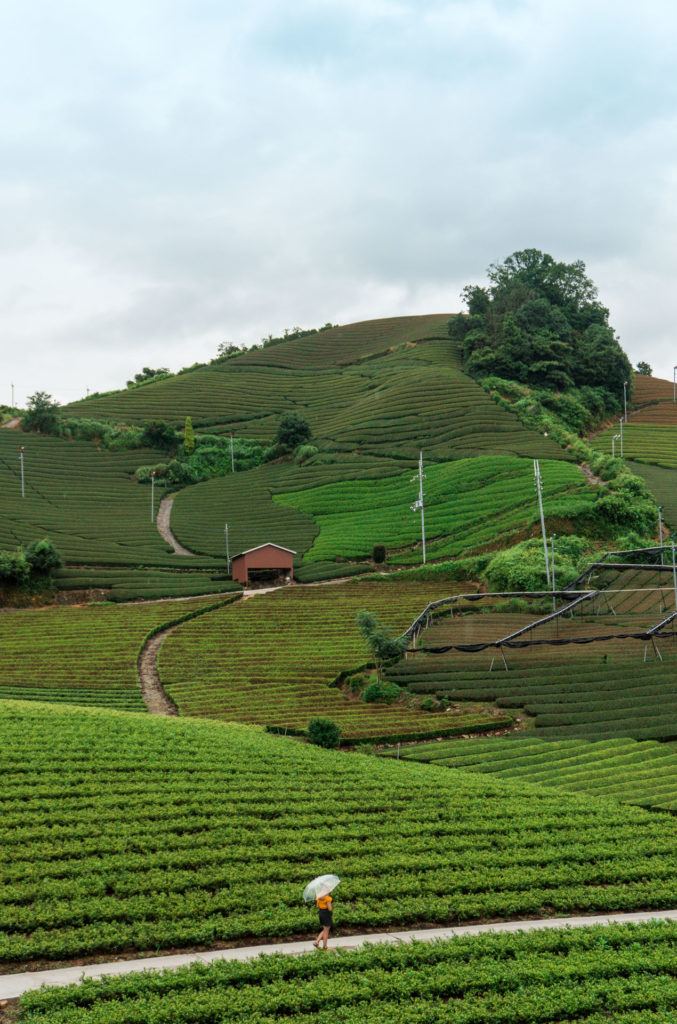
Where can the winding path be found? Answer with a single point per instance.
(14, 985)
(154, 697)
(163, 523)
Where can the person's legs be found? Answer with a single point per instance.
(324, 936)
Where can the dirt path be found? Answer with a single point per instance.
(152, 691)
(163, 521)
(596, 481)
(14, 985)
(12, 424)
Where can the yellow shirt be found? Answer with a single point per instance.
(323, 902)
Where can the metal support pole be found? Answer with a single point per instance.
(539, 492)
(152, 497)
(23, 475)
(227, 548)
(12, 395)
(674, 572)
(621, 423)
(625, 400)
(552, 570)
(232, 455)
(660, 530)
(419, 505)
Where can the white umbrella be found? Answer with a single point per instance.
(320, 886)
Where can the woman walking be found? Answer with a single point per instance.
(325, 906)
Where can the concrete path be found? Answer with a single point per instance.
(12, 424)
(14, 985)
(163, 523)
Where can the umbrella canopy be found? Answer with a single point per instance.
(320, 886)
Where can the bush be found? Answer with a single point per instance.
(14, 568)
(292, 431)
(324, 733)
(158, 434)
(379, 554)
(42, 557)
(383, 646)
(42, 415)
(522, 567)
(381, 693)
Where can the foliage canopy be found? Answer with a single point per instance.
(540, 321)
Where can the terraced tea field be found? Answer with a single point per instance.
(82, 498)
(271, 660)
(125, 833)
(126, 584)
(663, 484)
(80, 655)
(636, 772)
(655, 443)
(599, 691)
(468, 503)
(244, 501)
(586, 975)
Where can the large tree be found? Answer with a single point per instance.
(540, 321)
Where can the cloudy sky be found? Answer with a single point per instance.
(176, 174)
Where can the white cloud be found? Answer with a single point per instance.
(176, 175)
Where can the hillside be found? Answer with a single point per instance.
(374, 393)
(125, 832)
(650, 440)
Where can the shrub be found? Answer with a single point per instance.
(42, 415)
(522, 567)
(14, 567)
(383, 647)
(158, 434)
(379, 554)
(380, 692)
(292, 431)
(188, 436)
(42, 557)
(324, 733)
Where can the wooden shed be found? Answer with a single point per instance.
(263, 562)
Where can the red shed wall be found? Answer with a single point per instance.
(264, 558)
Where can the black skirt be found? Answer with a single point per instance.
(326, 918)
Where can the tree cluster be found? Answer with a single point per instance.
(33, 563)
(540, 321)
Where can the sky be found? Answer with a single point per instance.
(178, 174)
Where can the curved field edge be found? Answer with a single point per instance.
(632, 771)
(470, 503)
(85, 653)
(275, 661)
(125, 833)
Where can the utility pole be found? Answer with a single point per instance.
(23, 476)
(660, 530)
(13, 396)
(419, 504)
(225, 531)
(539, 492)
(625, 400)
(232, 456)
(674, 571)
(152, 497)
(621, 436)
(552, 563)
